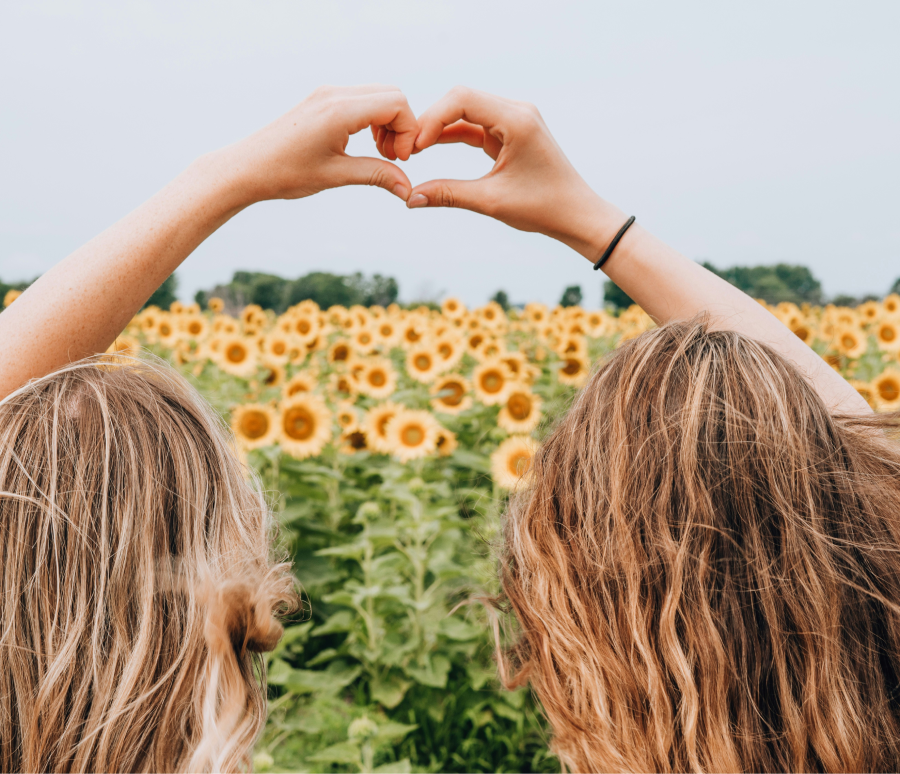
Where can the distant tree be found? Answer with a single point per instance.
(164, 295)
(615, 296)
(379, 290)
(780, 282)
(895, 288)
(571, 296)
(843, 299)
(501, 298)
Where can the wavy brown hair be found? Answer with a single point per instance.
(706, 571)
(136, 578)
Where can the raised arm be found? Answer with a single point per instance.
(79, 306)
(534, 187)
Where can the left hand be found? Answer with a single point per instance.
(304, 151)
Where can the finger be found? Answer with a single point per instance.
(385, 108)
(379, 139)
(389, 141)
(476, 107)
(363, 170)
(464, 194)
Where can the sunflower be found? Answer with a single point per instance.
(572, 346)
(274, 374)
(223, 323)
(574, 371)
(342, 386)
(167, 330)
(423, 363)
(869, 311)
(492, 382)
(492, 315)
(522, 412)
(449, 349)
(11, 295)
(411, 434)
(387, 332)
(490, 349)
(353, 441)
(412, 331)
(215, 304)
(891, 303)
(125, 345)
(340, 352)
(254, 425)
(450, 394)
(850, 341)
(237, 355)
(511, 462)
(375, 425)
(598, 324)
(536, 313)
(888, 334)
(453, 307)
(299, 383)
(346, 415)
(304, 326)
(250, 312)
(195, 326)
(803, 331)
(866, 390)
(304, 425)
(365, 341)
(446, 442)
(475, 341)
(887, 389)
(378, 378)
(176, 307)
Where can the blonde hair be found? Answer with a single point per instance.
(706, 572)
(136, 579)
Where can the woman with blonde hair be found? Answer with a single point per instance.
(706, 568)
(137, 578)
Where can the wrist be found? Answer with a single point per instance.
(222, 174)
(593, 223)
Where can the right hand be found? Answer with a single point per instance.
(532, 186)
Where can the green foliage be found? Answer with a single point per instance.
(571, 296)
(781, 282)
(501, 298)
(895, 288)
(614, 296)
(277, 293)
(165, 294)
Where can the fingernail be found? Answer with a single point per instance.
(401, 191)
(416, 200)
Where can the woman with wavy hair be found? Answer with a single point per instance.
(137, 577)
(706, 568)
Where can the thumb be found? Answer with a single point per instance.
(363, 170)
(464, 194)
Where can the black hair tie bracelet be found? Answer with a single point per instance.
(612, 245)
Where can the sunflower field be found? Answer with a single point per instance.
(388, 439)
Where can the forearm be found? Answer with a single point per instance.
(79, 306)
(670, 287)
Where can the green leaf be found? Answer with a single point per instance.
(342, 752)
(337, 676)
(397, 767)
(341, 621)
(348, 551)
(278, 673)
(433, 675)
(458, 629)
(323, 657)
(389, 691)
(394, 731)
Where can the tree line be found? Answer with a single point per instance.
(775, 283)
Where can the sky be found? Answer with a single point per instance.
(742, 134)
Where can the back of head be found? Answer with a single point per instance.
(136, 577)
(706, 569)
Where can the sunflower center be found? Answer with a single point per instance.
(422, 362)
(412, 435)
(848, 341)
(492, 382)
(445, 351)
(519, 406)
(365, 338)
(254, 424)
(802, 333)
(456, 393)
(236, 353)
(165, 330)
(386, 331)
(299, 424)
(571, 367)
(271, 377)
(888, 333)
(279, 348)
(476, 340)
(889, 390)
(341, 352)
(304, 326)
(412, 336)
(382, 423)
(194, 328)
(357, 440)
(377, 378)
(518, 463)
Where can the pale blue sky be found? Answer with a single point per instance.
(740, 133)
